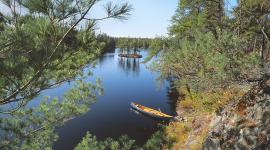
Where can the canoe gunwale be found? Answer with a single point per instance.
(134, 106)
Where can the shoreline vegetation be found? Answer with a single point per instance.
(219, 61)
(220, 66)
(130, 47)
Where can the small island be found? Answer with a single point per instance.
(130, 55)
(130, 47)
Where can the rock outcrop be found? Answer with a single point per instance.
(242, 125)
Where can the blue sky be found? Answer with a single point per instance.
(149, 18)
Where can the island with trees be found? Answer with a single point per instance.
(216, 58)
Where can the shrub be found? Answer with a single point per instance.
(207, 62)
(158, 140)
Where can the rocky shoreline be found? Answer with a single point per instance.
(242, 124)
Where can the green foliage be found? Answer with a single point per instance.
(126, 45)
(44, 47)
(208, 62)
(210, 51)
(41, 49)
(118, 11)
(2, 22)
(129, 43)
(253, 24)
(90, 142)
(156, 45)
(108, 43)
(33, 128)
(201, 52)
(184, 27)
(157, 141)
(197, 15)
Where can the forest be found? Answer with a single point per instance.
(216, 57)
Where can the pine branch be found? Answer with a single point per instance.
(45, 65)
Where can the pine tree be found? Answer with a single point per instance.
(188, 17)
(40, 49)
(214, 12)
(253, 23)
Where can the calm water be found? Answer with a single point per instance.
(124, 80)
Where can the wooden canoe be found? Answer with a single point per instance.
(149, 111)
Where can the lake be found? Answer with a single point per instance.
(124, 80)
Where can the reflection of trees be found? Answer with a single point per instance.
(173, 96)
(105, 57)
(129, 65)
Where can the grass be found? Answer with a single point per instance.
(209, 101)
(178, 132)
(198, 108)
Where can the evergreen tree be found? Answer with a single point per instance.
(253, 23)
(40, 49)
(192, 49)
(214, 12)
(189, 16)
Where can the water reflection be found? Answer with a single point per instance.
(105, 57)
(124, 80)
(129, 65)
(173, 96)
(145, 116)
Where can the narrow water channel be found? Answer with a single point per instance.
(124, 80)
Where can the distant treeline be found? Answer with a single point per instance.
(108, 43)
(124, 43)
(132, 43)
